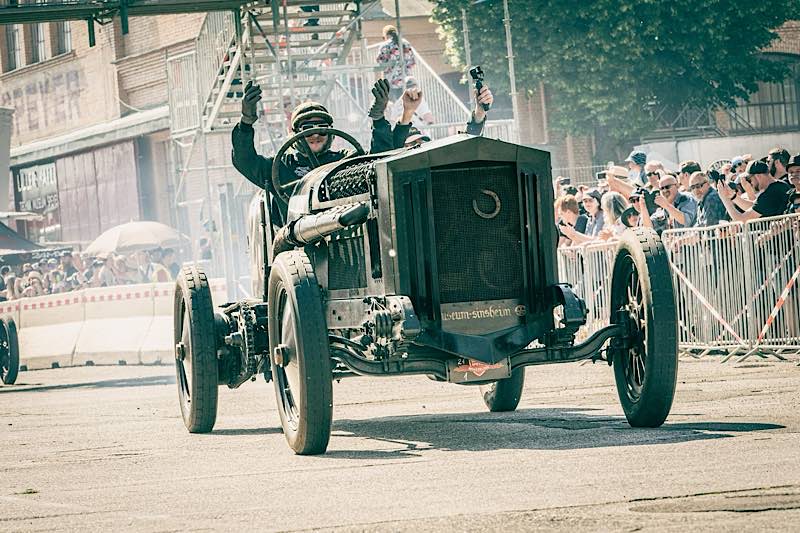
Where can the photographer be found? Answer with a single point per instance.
(675, 209)
(572, 222)
(772, 196)
(710, 209)
(595, 222)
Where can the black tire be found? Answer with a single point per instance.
(303, 383)
(646, 370)
(195, 350)
(9, 351)
(504, 394)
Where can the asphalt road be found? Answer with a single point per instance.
(104, 449)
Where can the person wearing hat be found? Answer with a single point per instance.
(594, 211)
(297, 161)
(771, 199)
(738, 165)
(415, 138)
(636, 161)
(793, 168)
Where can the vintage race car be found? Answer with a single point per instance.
(437, 260)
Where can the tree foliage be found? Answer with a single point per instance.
(614, 64)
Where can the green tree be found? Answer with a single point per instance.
(613, 64)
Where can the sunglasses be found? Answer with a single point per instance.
(311, 125)
(651, 174)
(667, 187)
(697, 186)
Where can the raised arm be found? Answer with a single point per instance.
(257, 169)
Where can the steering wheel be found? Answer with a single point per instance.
(284, 190)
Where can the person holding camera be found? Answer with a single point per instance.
(675, 208)
(710, 209)
(771, 199)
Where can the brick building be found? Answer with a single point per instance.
(90, 133)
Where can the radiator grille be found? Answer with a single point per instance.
(346, 265)
(478, 257)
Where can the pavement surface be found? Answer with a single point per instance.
(104, 449)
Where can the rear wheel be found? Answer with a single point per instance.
(645, 368)
(504, 394)
(195, 351)
(9, 351)
(299, 352)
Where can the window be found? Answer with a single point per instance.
(774, 107)
(38, 50)
(13, 47)
(63, 37)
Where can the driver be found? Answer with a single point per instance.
(307, 153)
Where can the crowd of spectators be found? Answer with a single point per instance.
(645, 193)
(74, 271)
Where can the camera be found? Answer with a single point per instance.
(476, 73)
(715, 177)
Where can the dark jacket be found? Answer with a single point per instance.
(381, 129)
(258, 169)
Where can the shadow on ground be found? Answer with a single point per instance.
(107, 383)
(534, 429)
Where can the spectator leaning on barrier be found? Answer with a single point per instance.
(595, 222)
(771, 196)
(675, 208)
(710, 209)
(571, 217)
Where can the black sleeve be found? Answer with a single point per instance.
(382, 139)
(256, 168)
(772, 201)
(475, 128)
(400, 134)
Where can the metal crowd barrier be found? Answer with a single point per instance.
(736, 286)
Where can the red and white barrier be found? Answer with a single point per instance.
(158, 343)
(49, 327)
(131, 323)
(116, 322)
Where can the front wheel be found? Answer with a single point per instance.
(9, 351)
(504, 394)
(299, 352)
(642, 297)
(195, 351)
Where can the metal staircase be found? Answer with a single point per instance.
(287, 48)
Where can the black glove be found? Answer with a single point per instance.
(252, 94)
(381, 93)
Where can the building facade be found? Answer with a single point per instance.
(90, 130)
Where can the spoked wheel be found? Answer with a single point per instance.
(646, 363)
(301, 363)
(504, 394)
(195, 351)
(9, 351)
